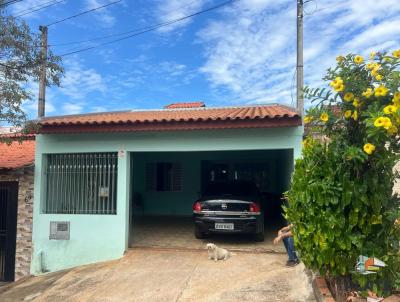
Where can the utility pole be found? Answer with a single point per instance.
(42, 76)
(299, 64)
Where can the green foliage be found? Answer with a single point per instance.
(341, 199)
(20, 60)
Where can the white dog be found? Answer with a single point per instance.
(216, 253)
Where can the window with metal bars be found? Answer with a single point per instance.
(164, 177)
(81, 183)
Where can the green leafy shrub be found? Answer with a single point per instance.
(341, 199)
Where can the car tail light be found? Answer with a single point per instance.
(254, 208)
(197, 207)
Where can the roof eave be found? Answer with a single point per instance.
(293, 121)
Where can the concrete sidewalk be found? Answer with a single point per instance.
(170, 275)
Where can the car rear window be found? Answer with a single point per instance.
(231, 189)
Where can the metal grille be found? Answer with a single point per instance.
(8, 227)
(3, 230)
(81, 183)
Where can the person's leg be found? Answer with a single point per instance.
(289, 245)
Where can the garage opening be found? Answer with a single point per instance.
(165, 185)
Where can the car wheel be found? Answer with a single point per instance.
(259, 237)
(199, 235)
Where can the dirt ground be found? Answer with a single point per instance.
(154, 275)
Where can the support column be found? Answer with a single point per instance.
(123, 193)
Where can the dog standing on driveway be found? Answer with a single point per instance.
(216, 253)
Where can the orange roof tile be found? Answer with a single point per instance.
(18, 154)
(178, 115)
(185, 105)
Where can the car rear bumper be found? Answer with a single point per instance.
(245, 225)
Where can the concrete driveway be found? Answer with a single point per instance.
(170, 275)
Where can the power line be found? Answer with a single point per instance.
(116, 34)
(10, 2)
(38, 7)
(83, 13)
(150, 28)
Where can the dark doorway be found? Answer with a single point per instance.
(8, 229)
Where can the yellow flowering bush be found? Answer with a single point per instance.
(341, 201)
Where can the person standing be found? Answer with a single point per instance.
(286, 235)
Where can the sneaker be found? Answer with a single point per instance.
(291, 263)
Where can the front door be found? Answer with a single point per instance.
(8, 229)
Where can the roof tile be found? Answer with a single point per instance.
(18, 154)
(175, 115)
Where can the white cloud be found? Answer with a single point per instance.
(103, 15)
(25, 6)
(79, 81)
(174, 9)
(72, 108)
(250, 51)
(31, 106)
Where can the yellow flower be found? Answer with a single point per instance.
(369, 148)
(390, 109)
(396, 98)
(339, 58)
(379, 77)
(324, 117)
(347, 114)
(392, 130)
(356, 102)
(396, 95)
(384, 122)
(348, 96)
(374, 72)
(308, 119)
(337, 84)
(370, 66)
(358, 59)
(381, 91)
(368, 93)
(339, 88)
(387, 123)
(355, 115)
(396, 53)
(377, 66)
(372, 55)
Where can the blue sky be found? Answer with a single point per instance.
(240, 54)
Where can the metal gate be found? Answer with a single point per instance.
(8, 229)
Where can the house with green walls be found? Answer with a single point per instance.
(95, 173)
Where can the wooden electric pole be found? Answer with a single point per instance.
(42, 77)
(299, 64)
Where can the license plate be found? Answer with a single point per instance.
(224, 226)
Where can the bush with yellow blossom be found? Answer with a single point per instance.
(341, 201)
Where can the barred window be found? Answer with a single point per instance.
(81, 183)
(164, 177)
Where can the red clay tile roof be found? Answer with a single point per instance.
(185, 105)
(17, 155)
(175, 119)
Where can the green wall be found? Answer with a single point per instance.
(180, 203)
(104, 237)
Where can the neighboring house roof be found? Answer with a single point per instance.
(260, 116)
(185, 105)
(18, 154)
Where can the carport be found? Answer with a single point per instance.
(166, 184)
(107, 182)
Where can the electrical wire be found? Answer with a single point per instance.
(151, 28)
(10, 3)
(83, 13)
(38, 7)
(116, 34)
